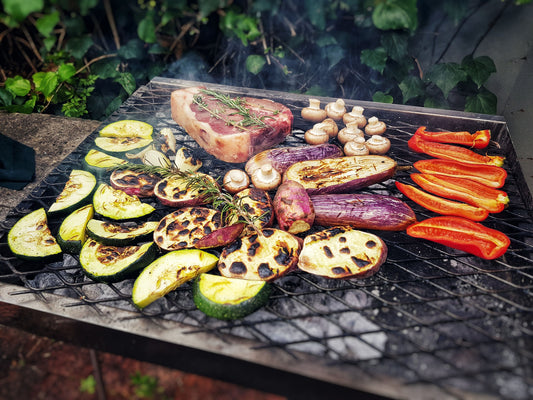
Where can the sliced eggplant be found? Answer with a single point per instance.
(258, 205)
(105, 263)
(362, 211)
(134, 183)
(262, 256)
(30, 238)
(184, 227)
(115, 204)
(342, 252)
(341, 174)
(73, 230)
(76, 193)
(120, 145)
(120, 234)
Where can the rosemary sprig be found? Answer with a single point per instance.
(236, 103)
(232, 209)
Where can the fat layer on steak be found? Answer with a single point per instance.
(222, 131)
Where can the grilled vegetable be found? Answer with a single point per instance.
(489, 175)
(258, 205)
(175, 191)
(115, 204)
(73, 230)
(228, 298)
(30, 238)
(121, 145)
(184, 227)
(134, 183)
(261, 256)
(98, 162)
(220, 237)
(293, 208)
(283, 157)
(476, 194)
(462, 234)
(105, 263)
(127, 128)
(442, 206)
(341, 174)
(342, 252)
(452, 152)
(477, 140)
(116, 234)
(185, 160)
(168, 272)
(156, 159)
(362, 211)
(76, 193)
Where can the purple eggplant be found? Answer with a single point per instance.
(362, 211)
(342, 174)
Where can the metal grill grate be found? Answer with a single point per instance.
(432, 315)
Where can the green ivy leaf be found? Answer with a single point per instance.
(315, 11)
(66, 71)
(446, 76)
(255, 63)
(146, 29)
(375, 58)
(6, 97)
(479, 68)
(107, 68)
(46, 24)
(46, 83)
(86, 5)
(19, 9)
(127, 81)
(206, 7)
(396, 14)
(18, 86)
(412, 87)
(395, 44)
(381, 97)
(25, 108)
(134, 49)
(78, 46)
(484, 102)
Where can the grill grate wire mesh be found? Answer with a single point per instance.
(431, 315)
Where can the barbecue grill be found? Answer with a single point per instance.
(432, 323)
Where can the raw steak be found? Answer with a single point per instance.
(231, 134)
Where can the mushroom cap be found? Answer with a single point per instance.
(317, 134)
(235, 180)
(266, 178)
(375, 126)
(336, 109)
(353, 148)
(378, 144)
(314, 113)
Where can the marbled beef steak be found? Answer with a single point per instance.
(230, 128)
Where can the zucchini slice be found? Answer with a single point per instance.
(121, 144)
(117, 205)
(98, 162)
(108, 264)
(229, 298)
(76, 193)
(168, 272)
(30, 238)
(114, 234)
(73, 230)
(127, 128)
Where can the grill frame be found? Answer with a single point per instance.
(420, 296)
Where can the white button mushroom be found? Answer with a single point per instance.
(266, 178)
(350, 132)
(375, 126)
(378, 144)
(355, 148)
(235, 180)
(330, 126)
(314, 113)
(356, 115)
(317, 134)
(336, 109)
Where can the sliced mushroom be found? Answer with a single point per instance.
(314, 113)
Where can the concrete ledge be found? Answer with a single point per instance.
(52, 137)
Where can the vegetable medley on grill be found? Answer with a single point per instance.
(278, 210)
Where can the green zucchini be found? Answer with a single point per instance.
(98, 162)
(127, 128)
(76, 193)
(117, 205)
(108, 264)
(168, 272)
(30, 238)
(121, 145)
(229, 298)
(72, 232)
(115, 234)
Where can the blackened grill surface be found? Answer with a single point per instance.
(431, 315)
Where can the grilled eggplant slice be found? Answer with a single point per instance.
(258, 204)
(262, 256)
(117, 234)
(121, 145)
(76, 193)
(168, 272)
(177, 192)
(341, 174)
(115, 204)
(73, 230)
(30, 238)
(134, 183)
(105, 263)
(342, 252)
(184, 227)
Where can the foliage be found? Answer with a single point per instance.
(88, 385)
(83, 59)
(146, 386)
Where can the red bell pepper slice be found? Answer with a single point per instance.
(477, 140)
(462, 234)
(442, 206)
(452, 152)
(460, 189)
(489, 175)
